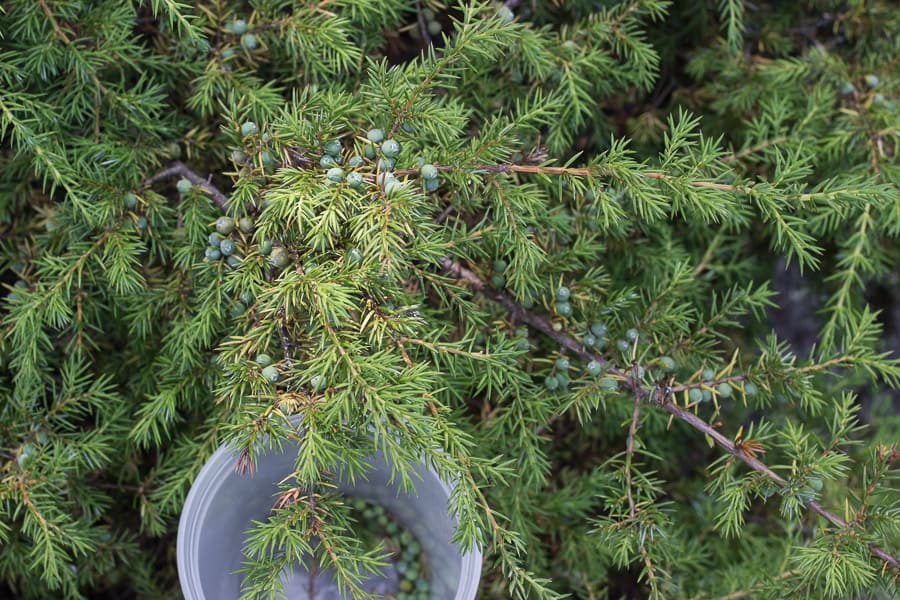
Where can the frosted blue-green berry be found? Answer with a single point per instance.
(248, 128)
(639, 374)
(505, 14)
(807, 494)
(227, 247)
(724, 390)
(383, 178)
(263, 360)
(130, 200)
(183, 185)
(564, 309)
(707, 395)
(369, 151)
(847, 88)
(25, 455)
(238, 156)
(392, 186)
(594, 368)
(142, 222)
(632, 334)
(750, 388)
(499, 265)
(333, 147)
(237, 27)
(214, 239)
(872, 80)
(265, 247)
(237, 310)
(390, 148)
(317, 383)
(667, 363)
(355, 161)
(385, 164)
(815, 483)
(335, 174)
(376, 136)
(707, 374)
(327, 161)
(431, 185)
(497, 280)
(246, 298)
(435, 27)
(249, 41)
(562, 364)
(354, 179)
(623, 345)
(608, 384)
(225, 225)
(279, 257)
(521, 332)
(428, 171)
(267, 158)
(354, 256)
(589, 340)
(233, 260)
(695, 395)
(551, 382)
(878, 99)
(246, 224)
(598, 328)
(562, 293)
(270, 373)
(213, 253)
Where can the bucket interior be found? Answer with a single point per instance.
(222, 505)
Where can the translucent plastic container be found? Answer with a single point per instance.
(222, 504)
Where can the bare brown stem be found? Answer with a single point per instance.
(570, 343)
(177, 169)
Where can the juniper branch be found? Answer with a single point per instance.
(179, 169)
(654, 395)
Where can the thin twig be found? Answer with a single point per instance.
(754, 149)
(286, 348)
(629, 456)
(178, 168)
(423, 28)
(56, 28)
(629, 447)
(570, 343)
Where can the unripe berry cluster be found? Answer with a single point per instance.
(378, 527)
(497, 278)
(563, 307)
(429, 174)
(432, 25)
(223, 243)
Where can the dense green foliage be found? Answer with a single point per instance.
(548, 273)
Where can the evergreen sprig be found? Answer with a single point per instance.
(533, 249)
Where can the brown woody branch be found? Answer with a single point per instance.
(520, 314)
(179, 169)
(656, 397)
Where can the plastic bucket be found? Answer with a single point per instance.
(222, 504)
